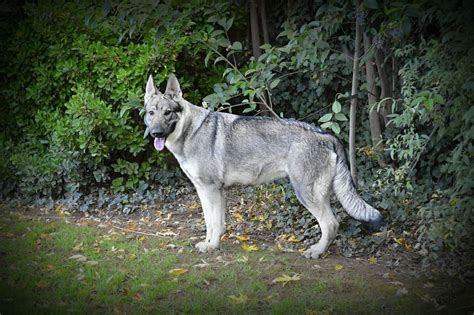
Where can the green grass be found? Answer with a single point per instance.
(126, 274)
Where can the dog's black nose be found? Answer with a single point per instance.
(157, 133)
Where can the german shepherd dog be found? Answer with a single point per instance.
(216, 150)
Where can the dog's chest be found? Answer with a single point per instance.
(191, 168)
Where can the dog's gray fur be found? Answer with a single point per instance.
(218, 149)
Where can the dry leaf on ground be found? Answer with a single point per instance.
(241, 299)
(177, 272)
(249, 248)
(284, 279)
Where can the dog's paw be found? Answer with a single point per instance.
(311, 254)
(203, 247)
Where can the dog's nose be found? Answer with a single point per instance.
(157, 133)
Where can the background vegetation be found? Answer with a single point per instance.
(73, 75)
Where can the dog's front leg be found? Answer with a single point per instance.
(213, 203)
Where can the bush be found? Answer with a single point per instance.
(73, 89)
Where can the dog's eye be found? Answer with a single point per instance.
(151, 113)
(167, 112)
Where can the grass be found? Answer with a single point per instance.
(126, 273)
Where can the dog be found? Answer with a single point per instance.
(216, 150)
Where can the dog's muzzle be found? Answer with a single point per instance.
(159, 135)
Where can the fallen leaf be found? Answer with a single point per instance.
(249, 248)
(194, 205)
(396, 283)
(203, 265)
(125, 291)
(293, 239)
(141, 238)
(402, 242)
(78, 257)
(241, 299)
(301, 250)
(243, 237)
(42, 284)
(137, 297)
(428, 285)
(45, 236)
(338, 267)
(92, 263)
(131, 225)
(284, 279)
(242, 259)
(167, 232)
(402, 291)
(238, 216)
(268, 224)
(283, 248)
(78, 247)
(177, 272)
(372, 260)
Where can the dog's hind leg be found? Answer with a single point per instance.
(328, 224)
(313, 191)
(213, 204)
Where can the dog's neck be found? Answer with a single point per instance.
(192, 117)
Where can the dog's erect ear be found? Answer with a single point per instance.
(172, 88)
(150, 87)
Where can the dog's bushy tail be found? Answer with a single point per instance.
(346, 193)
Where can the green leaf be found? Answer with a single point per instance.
(237, 46)
(274, 83)
(228, 24)
(429, 104)
(371, 4)
(206, 60)
(336, 107)
(250, 71)
(405, 25)
(220, 58)
(438, 99)
(117, 182)
(417, 101)
(223, 42)
(340, 117)
(335, 127)
(325, 118)
(326, 125)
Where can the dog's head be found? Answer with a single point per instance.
(162, 111)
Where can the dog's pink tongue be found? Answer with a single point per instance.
(159, 143)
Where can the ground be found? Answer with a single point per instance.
(53, 260)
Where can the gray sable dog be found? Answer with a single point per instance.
(216, 150)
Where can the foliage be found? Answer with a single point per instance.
(72, 79)
(73, 89)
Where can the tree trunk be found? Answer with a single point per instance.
(385, 90)
(353, 109)
(374, 117)
(263, 19)
(254, 29)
